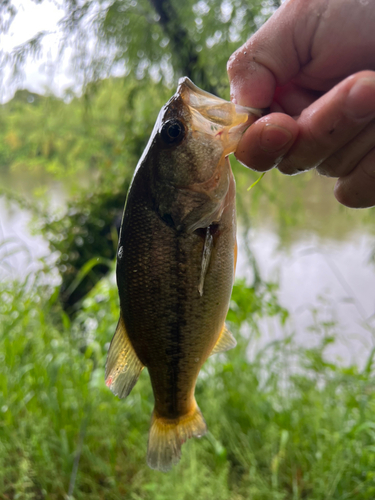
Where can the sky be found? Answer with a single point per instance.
(32, 18)
(42, 75)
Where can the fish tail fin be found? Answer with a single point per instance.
(168, 435)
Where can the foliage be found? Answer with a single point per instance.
(93, 144)
(96, 142)
(98, 137)
(286, 424)
(89, 227)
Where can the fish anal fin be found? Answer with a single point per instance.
(225, 342)
(123, 366)
(168, 435)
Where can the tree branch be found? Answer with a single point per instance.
(184, 52)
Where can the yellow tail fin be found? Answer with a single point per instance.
(168, 435)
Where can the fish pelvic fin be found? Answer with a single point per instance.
(123, 366)
(168, 435)
(225, 342)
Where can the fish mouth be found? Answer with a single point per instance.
(211, 115)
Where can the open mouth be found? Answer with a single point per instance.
(215, 116)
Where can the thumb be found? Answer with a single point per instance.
(275, 54)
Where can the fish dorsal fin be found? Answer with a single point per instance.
(206, 255)
(225, 342)
(123, 366)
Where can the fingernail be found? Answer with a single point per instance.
(273, 138)
(361, 99)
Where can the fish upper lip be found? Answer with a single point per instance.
(187, 83)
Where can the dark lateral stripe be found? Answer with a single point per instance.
(175, 327)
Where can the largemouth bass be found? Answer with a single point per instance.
(176, 261)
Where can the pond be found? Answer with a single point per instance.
(323, 267)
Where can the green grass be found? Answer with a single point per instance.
(287, 425)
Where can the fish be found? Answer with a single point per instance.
(176, 261)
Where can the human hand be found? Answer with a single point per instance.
(313, 63)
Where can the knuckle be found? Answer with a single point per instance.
(287, 167)
(368, 165)
(235, 61)
(333, 166)
(345, 197)
(318, 138)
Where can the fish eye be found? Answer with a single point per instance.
(173, 132)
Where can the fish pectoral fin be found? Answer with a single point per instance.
(206, 255)
(123, 366)
(225, 342)
(168, 435)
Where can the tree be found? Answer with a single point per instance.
(164, 39)
(150, 41)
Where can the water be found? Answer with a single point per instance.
(19, 250)
(323, 275)
(328, 280)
